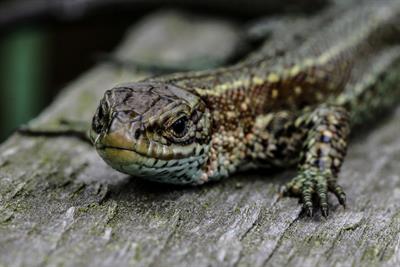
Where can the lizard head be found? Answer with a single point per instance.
(156, 131)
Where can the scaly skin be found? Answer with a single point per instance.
(283, 108)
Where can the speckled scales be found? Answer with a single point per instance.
(293, 109)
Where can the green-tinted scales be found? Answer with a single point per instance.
(290, 104)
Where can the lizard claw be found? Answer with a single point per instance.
(309, 211)
(313, 184)
(325, 211)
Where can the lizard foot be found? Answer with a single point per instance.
(312, 185)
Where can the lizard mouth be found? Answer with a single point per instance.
(122, 141)
(119, 157)
(100, 147)
(175, 171)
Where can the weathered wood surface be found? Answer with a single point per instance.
(60, 205)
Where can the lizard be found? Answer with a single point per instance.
(295, 108)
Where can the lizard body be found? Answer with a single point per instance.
(293, 108)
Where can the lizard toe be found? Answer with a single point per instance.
(339, 192)
(312, 187)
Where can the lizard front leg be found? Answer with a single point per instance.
(326, 131)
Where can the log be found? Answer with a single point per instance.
(60, 205)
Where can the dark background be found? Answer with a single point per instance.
(40, 57)
(44, 44)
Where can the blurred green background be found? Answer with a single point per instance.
(38, 59)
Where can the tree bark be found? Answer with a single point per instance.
(61, 205)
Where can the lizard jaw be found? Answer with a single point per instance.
(173, 171)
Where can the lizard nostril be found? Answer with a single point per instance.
(137, 134)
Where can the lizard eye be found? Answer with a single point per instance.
(179, 127)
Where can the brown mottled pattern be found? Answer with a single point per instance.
(295, 108)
